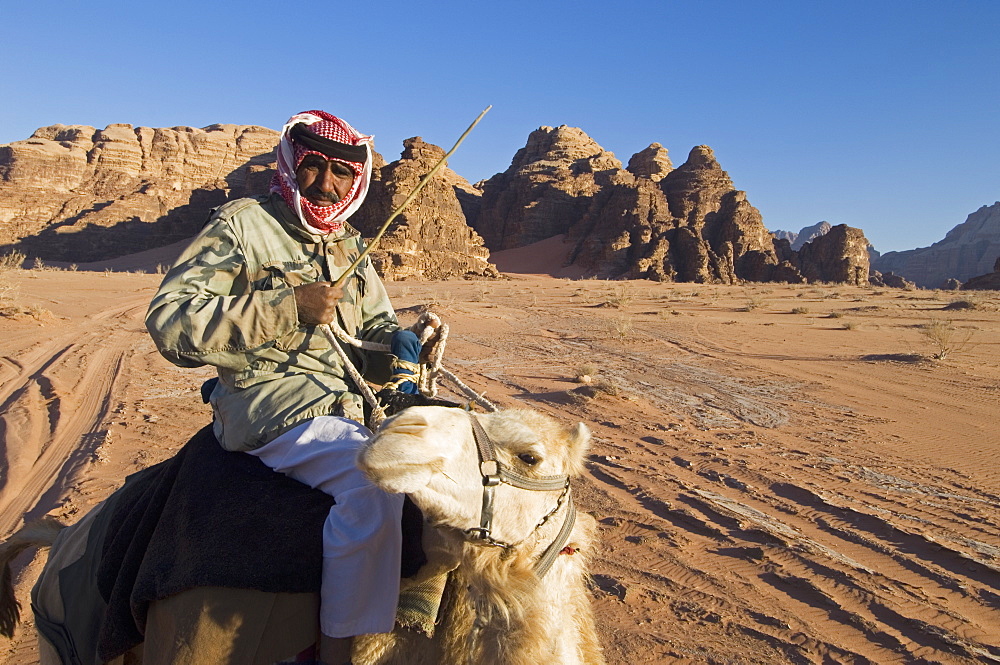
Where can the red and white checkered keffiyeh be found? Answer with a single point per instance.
(321, 220)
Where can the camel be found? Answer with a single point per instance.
(517, 588)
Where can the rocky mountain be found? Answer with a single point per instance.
(968, 250)
(431, 238)
(987, 282)
(652, 163)
(807, 234)
(77, 194)
(546, 189)
(648, 221)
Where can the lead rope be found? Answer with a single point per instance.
(334, 333)
(427, 378)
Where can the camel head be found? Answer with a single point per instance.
(430, 454)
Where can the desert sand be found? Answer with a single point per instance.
(782, 474)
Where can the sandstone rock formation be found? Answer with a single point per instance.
(79, 194)
(76, 194)
(695, 188)
(431, 238)
(952, 284)
(652, 163)
(839, 256)
(690, 225)
(892, 280)
(967, 250)
(987, 282)
(546, 189)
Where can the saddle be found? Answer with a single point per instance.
(209, 517)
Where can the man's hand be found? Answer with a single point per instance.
(317, 302)
(428, 330)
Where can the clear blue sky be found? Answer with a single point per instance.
(880, 114)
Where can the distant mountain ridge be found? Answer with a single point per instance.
(968, 250)
(807, 234)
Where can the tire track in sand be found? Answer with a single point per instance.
(87, 359)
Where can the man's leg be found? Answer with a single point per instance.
(361, 536)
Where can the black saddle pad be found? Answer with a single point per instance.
(209, 517)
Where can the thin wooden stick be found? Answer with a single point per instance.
(395, 213)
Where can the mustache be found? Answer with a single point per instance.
(320, 195)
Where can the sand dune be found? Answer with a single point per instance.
(772, 487)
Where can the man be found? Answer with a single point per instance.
(248, 296)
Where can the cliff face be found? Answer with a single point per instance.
(78, 194)
(689, 225)
(546, 189)
(968, 250)
(431, 238)
(987, 282)
(841, 255)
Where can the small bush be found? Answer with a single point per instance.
(800, 310)
(622, 328)
(38, 264)
(850, 325)
(964, 303)
(945, 339)
(753, 302)
(835, 315)
(585, 373)
(622, 296)
(12, 260)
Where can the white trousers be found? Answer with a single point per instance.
(361, 536)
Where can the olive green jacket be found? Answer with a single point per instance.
(228, 302)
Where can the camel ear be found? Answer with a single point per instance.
(579, 444)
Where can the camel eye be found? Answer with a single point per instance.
(528, 459)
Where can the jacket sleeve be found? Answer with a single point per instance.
(206, 310)
(379, 323)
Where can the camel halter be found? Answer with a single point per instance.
(494, 473)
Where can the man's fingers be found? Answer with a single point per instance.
(317, 302)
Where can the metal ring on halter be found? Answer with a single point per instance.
(494, 473)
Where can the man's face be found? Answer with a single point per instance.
(323, 181)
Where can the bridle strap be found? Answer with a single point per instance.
(494, 473)
(556, 546)
(491, 469)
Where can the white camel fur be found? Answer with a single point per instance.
(498, 610)
(518, 618)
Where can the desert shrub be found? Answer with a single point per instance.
(835, 315)
(945, 339)
(585, 373)
(800, 310)
(11, 306)
(850, 325)
(621, 328)
(12, 260)
(607, 387)
(754, 301)
(38, 264)
(968, 302)
(622, 296)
